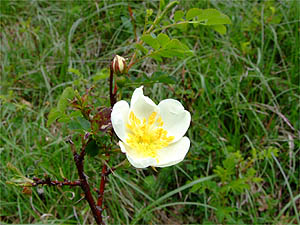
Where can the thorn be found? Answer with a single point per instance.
(69, 140)
(99, 208)
(86, 177)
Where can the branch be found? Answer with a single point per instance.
(132, 60)
(47, 181)
(83, 182)
(112, 95)
(102, 185)
(133, 23)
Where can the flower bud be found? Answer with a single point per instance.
(119, 65)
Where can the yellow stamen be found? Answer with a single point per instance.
(148, 136)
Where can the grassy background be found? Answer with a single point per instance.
(242, 90)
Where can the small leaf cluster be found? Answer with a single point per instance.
(18, 178)
(75, 110)
(206, 17)
(58, 112)
(157, 43)
(235, 176)
(76, 120)
(163, 46)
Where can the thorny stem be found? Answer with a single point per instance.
(47, 181)
(78, 158)
(102, 185)
(112, 95)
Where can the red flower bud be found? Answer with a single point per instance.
(119, 65)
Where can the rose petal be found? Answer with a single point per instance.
(176, 119)
(119, 119)
(173, 153)
(141, 105)
(122, 147)
(134, 159)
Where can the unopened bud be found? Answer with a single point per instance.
(119, 65)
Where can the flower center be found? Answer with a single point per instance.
(147, 136)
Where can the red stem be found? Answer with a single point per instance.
(47, 181)
(102, 186)
(132, 61)
(84, 184)
(112, 95)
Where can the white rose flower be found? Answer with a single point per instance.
(151, 135)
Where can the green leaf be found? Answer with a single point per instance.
(178, 15)
(74, 125)
(176, 44)
(149, 12)
(183, 27)
(196, 187)
(163, 39)
(229, 164)
(75, 114)
(222, 19)
(77, 82)
(79, 123)
(75, 71)
(223, 212)
(221, 29)
(193, 13)
(213, 17)
(238, 186)
(173, 48)
(141, 48)
(85, 124)
(209, 16)
(162, 5)
(156, 57)
(64, 118)
(257, 179)
(100, 75)
(148, 39)
(169, 53)
(92, 148)
(169, 48)
(63, 101)
(53, 116)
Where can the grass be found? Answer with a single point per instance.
(241, 88)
